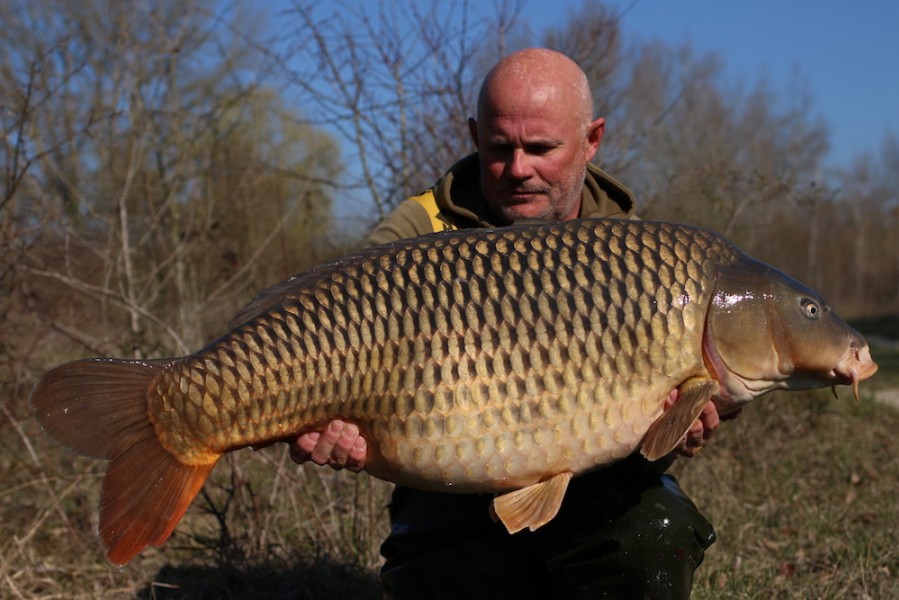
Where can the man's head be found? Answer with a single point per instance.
(535, 134)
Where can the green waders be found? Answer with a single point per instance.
(622, 533)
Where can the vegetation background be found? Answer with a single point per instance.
(163, 161)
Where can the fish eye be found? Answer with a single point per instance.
(810, 308)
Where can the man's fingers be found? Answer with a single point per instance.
(710, 419)
(301, 449)
(695, 435)
(700, 431)
(334, 444)
(339, 445)
(671, 399)
(355, 461)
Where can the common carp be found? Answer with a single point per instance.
(504, 361)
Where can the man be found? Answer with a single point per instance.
(626, 531)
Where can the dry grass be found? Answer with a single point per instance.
(803, 493)
(262, 528)
(802, 490)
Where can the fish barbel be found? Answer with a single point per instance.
(505, 360)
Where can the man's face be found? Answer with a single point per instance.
(533, 153)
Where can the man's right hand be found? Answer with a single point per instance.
(340, 446)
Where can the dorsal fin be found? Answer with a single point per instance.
(292, 287)
(304, 282)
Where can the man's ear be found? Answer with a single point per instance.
(594, 137)
(473, 130)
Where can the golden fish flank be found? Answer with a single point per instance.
(483, 360)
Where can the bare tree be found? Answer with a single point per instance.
(395, 81)
(147, 180)
(869, 187)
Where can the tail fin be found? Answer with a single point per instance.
(99, 408)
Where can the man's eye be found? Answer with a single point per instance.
(539, 149)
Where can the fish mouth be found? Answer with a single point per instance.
(856, 366)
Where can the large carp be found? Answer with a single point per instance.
(503, 360)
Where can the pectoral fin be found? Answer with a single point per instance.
(664, 435)
(533, 506)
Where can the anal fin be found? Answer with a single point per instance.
(533, 506)
(665, 433)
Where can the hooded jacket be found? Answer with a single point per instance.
(456, 202)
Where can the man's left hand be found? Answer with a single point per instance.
(701, 431)
(339, 445)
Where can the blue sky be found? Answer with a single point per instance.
(845, 51)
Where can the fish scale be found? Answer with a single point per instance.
(504, 341)
(505, 360)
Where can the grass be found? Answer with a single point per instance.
(262, 528)
(802, 494)
(802, 489)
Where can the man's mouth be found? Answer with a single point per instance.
(525, 194)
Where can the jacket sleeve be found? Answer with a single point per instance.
(409, 219)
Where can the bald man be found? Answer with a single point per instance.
(627, 531)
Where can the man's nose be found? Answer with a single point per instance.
(519, 165)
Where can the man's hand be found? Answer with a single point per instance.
(340, 446)
(701, 431)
